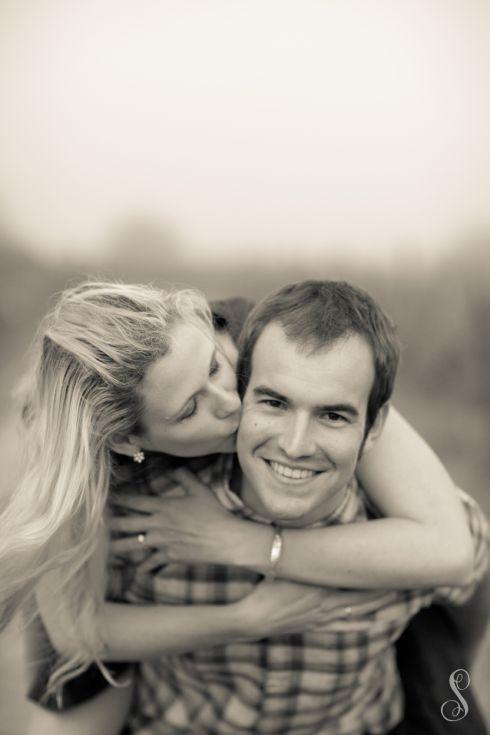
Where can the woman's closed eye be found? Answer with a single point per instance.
(190, 410)
(215, 366)
(193, 405)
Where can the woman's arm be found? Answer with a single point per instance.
(133, 632)
(423, 542)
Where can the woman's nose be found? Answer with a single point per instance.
(227, 402)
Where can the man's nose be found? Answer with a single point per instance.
(297, 438)
(226, 401)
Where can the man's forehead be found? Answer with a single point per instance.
(273, 342)
(345, 365)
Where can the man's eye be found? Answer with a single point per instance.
(190, 411)
(272, 402)
(334, 417)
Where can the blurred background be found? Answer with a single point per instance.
(236, 146)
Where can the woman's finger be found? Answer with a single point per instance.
(131, 524)
(157, 559)
(189, 481)
(124, 545)
(143, 503)
(135, 542)
(376, 606)
(162, 484)
(351, 609)
(346, 626)
(373, 604)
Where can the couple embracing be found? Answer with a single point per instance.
(275, 523)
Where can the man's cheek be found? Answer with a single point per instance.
(248, 432)
(260, 429)
(345, 444)
(251, 419)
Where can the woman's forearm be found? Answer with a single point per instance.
(406, 480)
(138, 632)
(389, 553)
(132, 632)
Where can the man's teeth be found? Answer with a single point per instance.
(291, 472)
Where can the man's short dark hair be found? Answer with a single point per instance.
(314, 314)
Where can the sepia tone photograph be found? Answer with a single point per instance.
(244, 324)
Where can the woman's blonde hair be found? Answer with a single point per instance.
(80, 396)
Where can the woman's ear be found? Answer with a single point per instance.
(376, 428)
(128, 445)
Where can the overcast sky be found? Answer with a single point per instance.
(357, 124)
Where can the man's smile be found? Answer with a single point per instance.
(290, 473)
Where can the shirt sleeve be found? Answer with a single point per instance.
(409, 602)
(42, 660)
(479, 533)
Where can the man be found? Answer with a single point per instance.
(318, 363)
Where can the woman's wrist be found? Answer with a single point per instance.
(247, 619)
(251, 546)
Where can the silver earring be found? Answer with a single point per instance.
(139, 457)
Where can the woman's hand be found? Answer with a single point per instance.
(189, 528)
(278, 608)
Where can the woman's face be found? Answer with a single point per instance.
(191, 406)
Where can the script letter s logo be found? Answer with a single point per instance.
(456, 710)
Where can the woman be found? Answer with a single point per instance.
(98, 387)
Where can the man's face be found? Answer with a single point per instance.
(302, 426)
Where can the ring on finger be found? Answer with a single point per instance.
(141, 538)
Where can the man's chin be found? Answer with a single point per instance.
(286, 516)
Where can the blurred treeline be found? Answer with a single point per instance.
(442, 312)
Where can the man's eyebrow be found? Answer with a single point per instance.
(263, 390)
(176, 415)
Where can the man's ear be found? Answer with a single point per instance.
(128, 445)
(376, 428)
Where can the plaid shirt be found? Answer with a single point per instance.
(337, 682)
